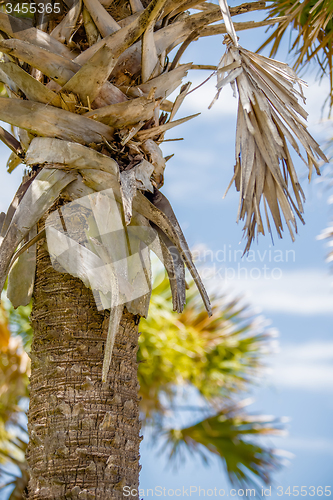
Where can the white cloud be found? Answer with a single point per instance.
(305, 376)
(305, 291)
(313, 445)
(304, 366)
(315, 351)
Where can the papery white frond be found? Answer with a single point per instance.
(269, 115)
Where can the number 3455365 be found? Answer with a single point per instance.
(32, 8)
(304, 491)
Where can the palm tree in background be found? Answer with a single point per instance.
(312, 24)
(88, 86)
(220, 358)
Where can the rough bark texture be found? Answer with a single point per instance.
(84, 435)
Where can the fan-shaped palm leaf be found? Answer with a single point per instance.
(221, 355)
(229, 435)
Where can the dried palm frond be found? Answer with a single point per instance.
(52, 122)
(37, 199)
(22, 29)
(120, 280)
(21, 277)
(64, 30)
(32, 88)
(313, 21)
(90, 89)
(269, 115)
(103, 20)
(59, 68)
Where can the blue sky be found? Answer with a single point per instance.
(299, 303)
(297, 298)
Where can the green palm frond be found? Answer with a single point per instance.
(313, 21)
(230, 434)
(15, 454)
(221, 355)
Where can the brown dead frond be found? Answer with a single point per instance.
(269, 116)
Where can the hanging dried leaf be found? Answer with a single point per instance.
(137, 177)
(38, 198)
(159, 215)
(175, 268)
(269, 114)
(114, 321)
(21, 277)
(162, 215)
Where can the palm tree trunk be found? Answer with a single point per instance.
(84, 435)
